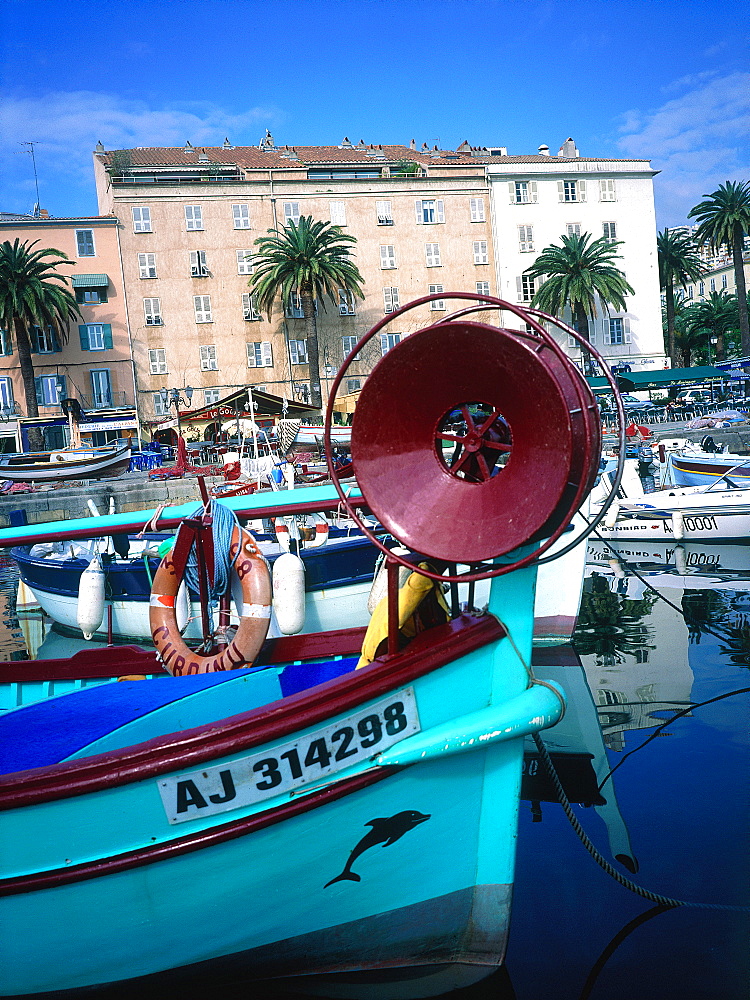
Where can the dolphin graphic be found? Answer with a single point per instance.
(385, 832)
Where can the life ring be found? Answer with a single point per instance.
(252, 571)
(287, 528)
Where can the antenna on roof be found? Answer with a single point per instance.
(36, 179)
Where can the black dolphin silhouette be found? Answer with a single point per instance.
(385, 832)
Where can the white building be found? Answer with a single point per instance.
(537, 199)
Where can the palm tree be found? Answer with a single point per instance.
(723, 220)
(579, 273)
(29, 297)
(679, 263)
(714, 317)
(305, 262)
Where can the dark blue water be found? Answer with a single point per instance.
(679, 797)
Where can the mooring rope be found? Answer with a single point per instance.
(224, 522)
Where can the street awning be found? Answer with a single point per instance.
(658, 378)
(90, 281)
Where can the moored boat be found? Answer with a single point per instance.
(59, 466)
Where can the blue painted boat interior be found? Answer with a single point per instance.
(122, 713)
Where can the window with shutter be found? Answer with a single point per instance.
(147, 265)
(6, 343)
(437, 305)
(159, 407)
(388, 340)
(157, 361)
(384, 213)
(198, 265)
(45, 340)
(476, 208)
(152, 310)
(616, 330)
(346, 302)
(432, 254)
(429, 211)
(573, 229)
(387, 257)
(211, 396)
(101, 386)
(338, 213)
(202, 306)
(293, 308)
(390, 299)
(291, 211)
(259, 354)
(208, 358)
(241, 216)
(243, 261)
(483, 288)
(141, 219)
(298, 352)
(348, 345)
(525, 287)
(6, 395)
(49, 389)
(480, 252)
(95, 336)
(193, 217)
(521, 192)
(525, 239)
(607, 190)
(85, 243)
(567, 191)
(353, 384)
(609, 231)
(249, 307)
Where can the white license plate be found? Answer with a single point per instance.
(303, 761)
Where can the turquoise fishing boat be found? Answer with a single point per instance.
(341, 807)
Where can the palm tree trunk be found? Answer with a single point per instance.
(36, 438)
(741, 289)
(313, 355)
(582, 326)
(669, 297)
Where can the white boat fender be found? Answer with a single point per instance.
(610, 518)
(678, 524)
(182, 607)
(380, 580)
(289, 593)
(680, 560)
(91, 598)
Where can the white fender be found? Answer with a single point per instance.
(610, 518)
(91, 598)
(182, 606)
(678, 525)
(380, 581)
(289, 593)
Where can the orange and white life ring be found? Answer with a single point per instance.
(254, 614)
(286, 529)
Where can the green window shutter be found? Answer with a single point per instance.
(38, 387)
(84, 335)
(33, 340)
(107, 335)
(56, 341)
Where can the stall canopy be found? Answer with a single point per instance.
(266, 405)
(658, 378)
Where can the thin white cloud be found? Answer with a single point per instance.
(697, 141)
(67, 125)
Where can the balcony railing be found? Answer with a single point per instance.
(106, 401)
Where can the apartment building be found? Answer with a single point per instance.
(426, 221)
(94, 365)
(537, 199)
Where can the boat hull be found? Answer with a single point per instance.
(694, 470)
(94, 467)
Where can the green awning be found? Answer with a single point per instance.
(658, 378)
(90, 281)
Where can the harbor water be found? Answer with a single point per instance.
(653, 753)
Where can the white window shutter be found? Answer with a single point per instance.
(582, 190)
(418, 210)
(626, 330)
(512, 191)
(519, 289)
(592, 334)
(561, 191)
(440, 210)
(532, 192)
(383, 343)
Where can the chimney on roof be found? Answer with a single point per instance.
(203, 156)
(227, 144)
(43, 213)
(464, 147)
(568, 150)
(268, 141)
(361, 143)
(413, 144)
(425, 146)
(99, 147)
(544, 150)
(345, 143)
(188, 147)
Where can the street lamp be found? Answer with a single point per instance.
(174, 397)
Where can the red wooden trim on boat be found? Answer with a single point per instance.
(177, 751)
(194, 841)
(117, 661)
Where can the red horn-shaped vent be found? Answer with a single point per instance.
(469, 441)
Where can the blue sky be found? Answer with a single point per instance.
(669, 81)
